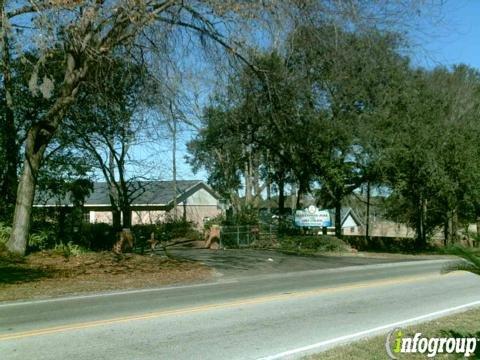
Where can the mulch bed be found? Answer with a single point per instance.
(48, 274)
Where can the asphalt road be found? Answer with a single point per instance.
(244, 318)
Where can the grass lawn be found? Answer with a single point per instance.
(465, 324)
(48, 274)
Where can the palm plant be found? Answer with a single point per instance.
(470, 262)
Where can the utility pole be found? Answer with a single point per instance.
(173, 130)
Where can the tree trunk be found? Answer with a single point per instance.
(269, 196)
(124, 198)
(38, 137)
(113, 194)
(281, 197)
(299, 197)
(446, 231)
(116, 219)
(478, 226)
(127, 216)
(184, 215)
(454, 226)
(9, 142)
(293, 194)
(338, 219)
(62, 215)
(36, 143)
(174, 162)
(248, 183)
(421, 239)
(10, 180)
(367, 222)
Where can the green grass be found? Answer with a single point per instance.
(312, 245)
(465, 324)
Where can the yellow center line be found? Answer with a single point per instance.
(226, 305)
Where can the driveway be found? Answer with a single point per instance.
(248, 262)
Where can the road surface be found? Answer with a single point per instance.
(268, 316)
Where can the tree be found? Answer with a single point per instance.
(104, 122)
(86, 32)
(9, 147)
(256, 134)
(217, 148)
(351, 75)
(431, 158)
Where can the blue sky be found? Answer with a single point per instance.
(450, 36)
(446, 35)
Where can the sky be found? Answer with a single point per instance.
(445, 35)
(450, 35)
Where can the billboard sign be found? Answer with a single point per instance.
(312, 217)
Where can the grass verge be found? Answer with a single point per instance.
(313, 245)
(47, 274)
(465, 324)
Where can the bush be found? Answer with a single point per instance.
(69, 249)
(4, 232)
(379, 243)
(471, 257)
(313, 244)
(165, 231)
(180, 229)
(217, 220)
(4, 236)
(42, 238)
(245, 216)
(96, 237)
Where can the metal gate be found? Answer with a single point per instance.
(237, 236)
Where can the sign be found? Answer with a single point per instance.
(312, 217)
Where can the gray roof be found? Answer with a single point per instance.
(141, 193)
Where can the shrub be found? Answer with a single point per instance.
(379, 243)
(217, 220)
(69, 249)
(4, 236)
(165, 231)
(312, 244)
(4, 232)
(96, 237)
(180, 229)
(471, 259)
(247, 216)
(41, 238)
(143, 232)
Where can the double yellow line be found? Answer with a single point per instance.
(225, 305)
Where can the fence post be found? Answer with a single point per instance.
(238, 235)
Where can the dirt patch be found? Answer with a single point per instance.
(46, 274)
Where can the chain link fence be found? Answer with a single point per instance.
(238, 236)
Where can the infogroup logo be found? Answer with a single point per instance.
(397, 343)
